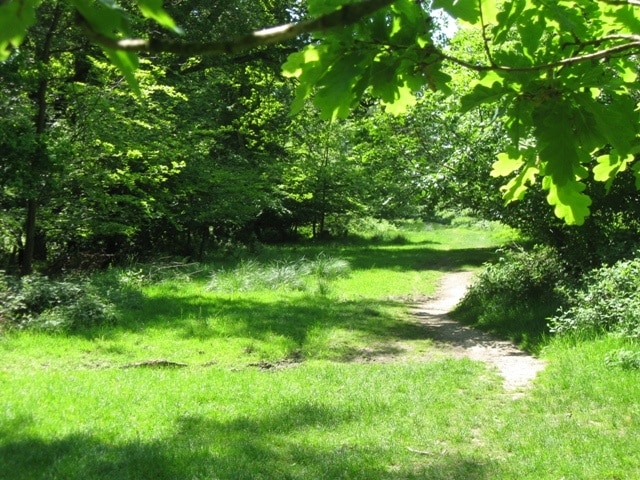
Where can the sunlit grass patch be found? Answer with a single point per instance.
(320, 421)
(385, 283)
(180, 318)
(298, 384)
(581, 420)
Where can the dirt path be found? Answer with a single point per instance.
(516, 366)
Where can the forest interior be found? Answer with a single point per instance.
(319, 239)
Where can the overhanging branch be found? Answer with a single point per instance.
(633, 3)
(344, 16)
(631, 45)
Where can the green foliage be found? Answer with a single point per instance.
(570, 108)
(538, 64)
(15, 19)
(350, 60)
(608, 301)
(153, 9)
(609, 234)
(204, 149)
(322, 184)
(37, 302)
(514, 296)
(110, 21)
(182, 167)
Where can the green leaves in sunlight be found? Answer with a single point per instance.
(465, 10)
(337, 72)
(609, 166)
(490, 88)
(569, 117)
(505, 165)
(127, 63)
(570, 203)
(108, 19)
(561, 76)
(562, 135)
(153, 9)
(15, 19)
(509, 163)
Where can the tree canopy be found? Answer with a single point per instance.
(562, 74)
(200, 147)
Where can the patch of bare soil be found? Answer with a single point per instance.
(516, 366)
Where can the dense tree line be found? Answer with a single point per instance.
(205, 154)
(114, 145)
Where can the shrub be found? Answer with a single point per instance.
(609, 301)
(514, 296)
(36, 301)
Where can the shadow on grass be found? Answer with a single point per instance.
(272, 446)
(419, 258)
(301, 322)
(411, 257)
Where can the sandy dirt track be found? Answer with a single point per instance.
(517, 367)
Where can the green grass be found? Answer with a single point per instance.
(276, 385)
(315, 421)
(582, 420)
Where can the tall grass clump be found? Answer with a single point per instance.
(607, 302)
(288, 275)
(516, 295)
(377, 231)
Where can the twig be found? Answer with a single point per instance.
(485, 39)
(155, 363)
(419, 452)
(607, 53)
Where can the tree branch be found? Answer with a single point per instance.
(344, 16)
(633, 3)
(599, 55)
(485, 39)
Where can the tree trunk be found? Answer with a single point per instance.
(39, 161)
(26, 266)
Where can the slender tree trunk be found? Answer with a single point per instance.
(30, 236)
(38, 162)
(321, 224)
(30, 225)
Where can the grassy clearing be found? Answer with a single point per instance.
(315, 421)
(269, 388)
(184, 320)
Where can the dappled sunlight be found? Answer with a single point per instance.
(359, 315)
(263, 328)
